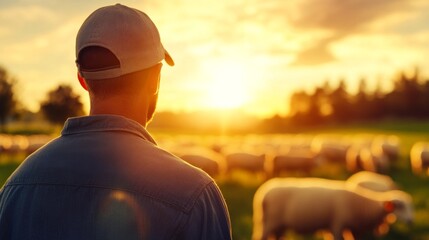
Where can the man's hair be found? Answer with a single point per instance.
(94, 58)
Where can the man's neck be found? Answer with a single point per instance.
(121, 109)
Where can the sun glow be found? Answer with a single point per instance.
(226, 88)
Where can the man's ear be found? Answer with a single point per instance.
(155, 76)
(82, 81)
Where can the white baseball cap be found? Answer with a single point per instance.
(128, 33)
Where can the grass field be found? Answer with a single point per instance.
(239, 188)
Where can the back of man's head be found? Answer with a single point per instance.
(117, 40)
(93, 58)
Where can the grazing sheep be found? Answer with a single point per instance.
(374, 162)
(211, 166)
(202, 157)
(13, 143)
(373, 181)
(312, 204)
(294, 161)
(36, 141)
(331, 151)
(245, 161)
(386, 145)
(353, 160)
(419, 157)
(5, 142)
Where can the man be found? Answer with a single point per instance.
(104, 177)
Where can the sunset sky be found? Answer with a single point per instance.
(244, 54)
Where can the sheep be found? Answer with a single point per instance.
(5, 142)
(213, 163)
(373, 181)
(36, 141)
(294, 161)
(211, 166)
(312, 204)
(13, 143)
(245, 161)
(353, 160)
(332, 150)
(374, 162)
(386, 145)
(419, 158)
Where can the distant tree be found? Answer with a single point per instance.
(425, 99)
(361, 102)
(7, 97)
(377, 104)
(311, 109)
(340, 102)
(299, 107)
(60, 104)
(316, 108)
(412, 93)
(299, 103)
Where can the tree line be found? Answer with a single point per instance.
(409, 99)
(59, 104)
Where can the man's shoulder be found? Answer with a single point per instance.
(180, 181)
(163, 176)
(141, 168)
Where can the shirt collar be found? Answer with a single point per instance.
(105, 122)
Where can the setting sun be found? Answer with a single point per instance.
(226, 88)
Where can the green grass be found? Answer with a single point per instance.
(6, 169)
(237, 196)
(33, 127)
(239, 188)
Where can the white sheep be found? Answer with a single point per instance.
(312, 204)
(211, 166)
(374, 162)
(371, 180)
(386, 145)
(245, 161)
(37, 141)
(419, 157)
(294, 161)
(333, 151)
(13, 143)
(353, 160)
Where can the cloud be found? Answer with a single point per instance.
(24, 22)
(343, 18)
(315, 55)
(344, 15)
(305, 29)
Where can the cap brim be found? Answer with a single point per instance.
(168, 59)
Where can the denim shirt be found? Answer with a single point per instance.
(105, 178)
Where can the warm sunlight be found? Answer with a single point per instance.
(226, 88)
(246, 55)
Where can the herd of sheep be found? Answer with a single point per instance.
(18, 144)
(297, 154)
(368, 201)
(273, 157)
(365, 203)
